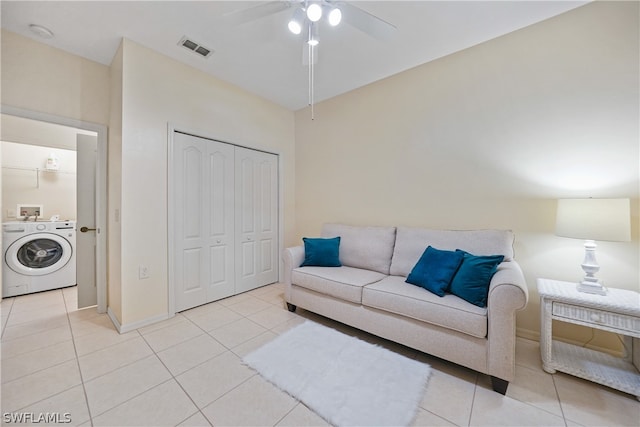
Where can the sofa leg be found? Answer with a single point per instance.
(291, 307)
(499, 385)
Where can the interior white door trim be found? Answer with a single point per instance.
(101, 188)
(171, 214)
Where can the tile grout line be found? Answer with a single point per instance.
(227, 392)
(555, 387)
(473, 399)
(75, 350)
(298, 402)
(173, 377)
(131, 398)
(40, 370)
(538, 407)
(479, 381)
(113, 370)
(182, 388)
(4, 327)
(31, 334)
(227, 349)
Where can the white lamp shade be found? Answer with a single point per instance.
(594, 219)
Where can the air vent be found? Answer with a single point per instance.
(196, 47)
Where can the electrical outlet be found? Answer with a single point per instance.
(11, 213)
(143, 272)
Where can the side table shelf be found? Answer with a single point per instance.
(595, 366)
(618, 312)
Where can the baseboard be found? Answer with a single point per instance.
(123, 329)
(528, 334)
(114, 319)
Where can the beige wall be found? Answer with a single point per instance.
(24, 180)
(147, 92)
(490, 137)
(55, 190)
(157, 91)
(35, 132)
(43, 79)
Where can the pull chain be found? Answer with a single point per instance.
(312, 85)
(311, 72)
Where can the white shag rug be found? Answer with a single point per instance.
(346, 381)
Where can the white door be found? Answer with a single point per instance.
(87, 146)
(256, 219)
(203, 220)
(221, 198)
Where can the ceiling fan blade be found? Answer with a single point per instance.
(366, 22)
(243, 16)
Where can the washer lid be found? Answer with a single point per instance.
(38, 254)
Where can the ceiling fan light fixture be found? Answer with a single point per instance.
(314, 12)
(295, 27)
(313, 36)
(335, 16)
(295, 24)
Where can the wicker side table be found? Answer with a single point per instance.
(618, 311)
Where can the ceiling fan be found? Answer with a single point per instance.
(307, 14)
(306, 18)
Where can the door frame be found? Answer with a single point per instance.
(101, 188)
(171, 129)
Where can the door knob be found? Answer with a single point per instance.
(85, 229)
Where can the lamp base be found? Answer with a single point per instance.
(591, 284)
(592, 287)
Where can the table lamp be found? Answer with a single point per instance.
(593, 219)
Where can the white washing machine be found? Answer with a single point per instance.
(38, 256)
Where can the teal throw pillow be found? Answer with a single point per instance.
(321, 252)
(471, 282)
(435, 269)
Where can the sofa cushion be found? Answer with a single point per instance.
(471, 282)
(321, 252)
(364, 247)
(435, 269)
(411, 243)
(341, 282)
(392, 294)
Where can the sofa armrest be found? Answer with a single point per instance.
(292, 257)
(508, 293)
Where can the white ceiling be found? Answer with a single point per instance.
(262, 56)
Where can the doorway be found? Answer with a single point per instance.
(87, 131)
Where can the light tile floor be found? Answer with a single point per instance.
(187, 371)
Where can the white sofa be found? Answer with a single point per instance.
(369, 292)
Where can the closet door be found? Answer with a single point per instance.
(256, 219)
(204, 225)
(221, 238)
